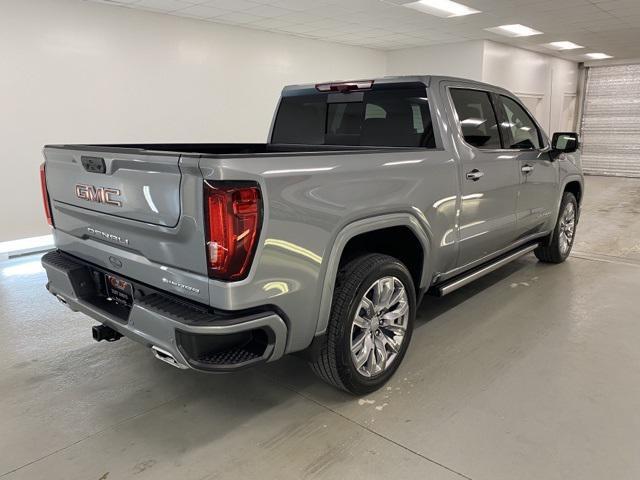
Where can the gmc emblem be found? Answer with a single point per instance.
(104, 195)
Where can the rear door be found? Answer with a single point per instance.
(539, 176)
(489, 178)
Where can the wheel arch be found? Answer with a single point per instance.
(370, 226)
(574, 186)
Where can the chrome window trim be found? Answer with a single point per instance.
(542, 137)
(546, 147)
(457, 118)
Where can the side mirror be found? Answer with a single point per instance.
(565, 142)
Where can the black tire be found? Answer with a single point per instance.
(553, 252)
(334, 363)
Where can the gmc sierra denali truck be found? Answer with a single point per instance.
(322, 241)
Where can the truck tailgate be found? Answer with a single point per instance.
(142, 218)
(145, 187)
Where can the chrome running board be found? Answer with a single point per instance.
(466, 278)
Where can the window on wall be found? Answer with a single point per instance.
(477, 118)
(519, 129)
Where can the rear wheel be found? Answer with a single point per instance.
(563, 235)
(370, 325)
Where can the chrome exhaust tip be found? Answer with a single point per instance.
(167, 357)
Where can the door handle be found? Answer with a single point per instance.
(527, 169)
(475, 175)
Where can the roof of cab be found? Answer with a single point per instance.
(427, 80)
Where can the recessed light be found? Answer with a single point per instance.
(564, 45)
(598, 56)
(442, 8)
(515, 30)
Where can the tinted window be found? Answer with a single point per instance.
(387, 118)
(397, 118)
(300, 120)
(344, 122)
(518, 128)
(477, 118)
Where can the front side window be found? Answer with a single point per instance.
(477, 118)
(397, 117)
(519, 130)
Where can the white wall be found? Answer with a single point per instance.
(81, 72)
(464, 59)
(546, 84)
(532, 75)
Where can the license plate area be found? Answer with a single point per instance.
(118, 291)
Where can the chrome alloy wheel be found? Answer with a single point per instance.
(379, 326)
(567, 227)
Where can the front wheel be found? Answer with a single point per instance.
(563, 235)
(371, 323)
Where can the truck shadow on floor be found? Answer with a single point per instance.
(457, 311)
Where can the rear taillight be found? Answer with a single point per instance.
(233, 213)
(45, 194)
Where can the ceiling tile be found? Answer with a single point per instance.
(201, 11)
(611, 26)
(300, 28)
(237, 18)
(270, 23)
(161, 5)
(268, 11)
(233, 5)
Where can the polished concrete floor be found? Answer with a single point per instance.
(530, 373)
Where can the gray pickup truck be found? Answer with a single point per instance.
(369, 195)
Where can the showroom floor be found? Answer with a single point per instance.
(530, 373)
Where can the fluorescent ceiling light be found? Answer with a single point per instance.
(598, 56)
(515, 30)
(442, 8)
(564, 45)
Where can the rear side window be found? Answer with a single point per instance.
(385, 118)
(519, 130)
(477, 118)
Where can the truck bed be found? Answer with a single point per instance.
(220, 149)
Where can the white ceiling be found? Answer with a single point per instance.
(609, 26)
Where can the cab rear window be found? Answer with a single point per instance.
(385, 118)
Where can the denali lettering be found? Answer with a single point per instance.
(104, 195)
(108, 236)
(180, 285)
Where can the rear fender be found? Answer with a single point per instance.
(366, 225)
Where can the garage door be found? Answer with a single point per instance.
(611, 121)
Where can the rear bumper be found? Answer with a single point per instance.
(193, 335)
